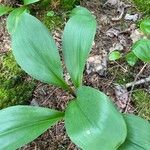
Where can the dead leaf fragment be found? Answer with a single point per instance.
(112, 2)
(136, 35)
(97, 64)
(116, 46)
(131, 17)
(112, 32)
(122, 96)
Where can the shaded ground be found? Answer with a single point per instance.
(105, 80)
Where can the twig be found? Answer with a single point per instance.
(125, 70)
(142, 81)
(130, 95)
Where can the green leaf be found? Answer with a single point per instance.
(142, 49)
(80, 11)
(22, 124)
(92, 121)
(131, 58)
(35, 51)
(13, 19)
(145, 26)
(114, 55)
(138, 136)
(77, 41)
(26, 2)
(5, 9)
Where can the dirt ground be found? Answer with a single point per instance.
(112, 33)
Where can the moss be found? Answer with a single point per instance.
(143, 5)
(122, 77)
(60, 8)
(14, 87)
(141, 100)
(52, 21)
(59, 4)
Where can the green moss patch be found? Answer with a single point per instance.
(141, 100)
(52, 22)
(143, 5)
(15, 87)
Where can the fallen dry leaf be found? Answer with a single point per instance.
(97, 64)
(112, 32)
(131, 17)
(122, 96)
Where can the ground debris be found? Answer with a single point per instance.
(112, 32)
(131, 17)
(136, 35)
(122, 96)
(97, 64)
(116, 46)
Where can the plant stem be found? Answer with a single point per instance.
(69, 88)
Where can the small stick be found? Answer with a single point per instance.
(142, 81)
(130, 95)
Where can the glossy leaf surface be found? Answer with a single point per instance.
(145, 26)
(142, 49)
(36, 52)
(13, 19)
(5, 9)
(22, 124)
(138, 134)
(92, 121)
(77, 41)
(131, 58)
(26, 2)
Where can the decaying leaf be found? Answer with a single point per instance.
(97, 64)
(131, 17)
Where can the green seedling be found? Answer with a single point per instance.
(140, 49)
(115, 55)
(91, 120)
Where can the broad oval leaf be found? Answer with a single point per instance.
(5, 9)
(13, 19)
(26, 2)
(138, 134)
(22, 124)
(92, 121)
(142, 49)
(35, 51)
(131, 58)
(78, 37)
(145, 26)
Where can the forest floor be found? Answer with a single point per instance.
(117, 29)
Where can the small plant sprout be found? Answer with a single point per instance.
(140, 49)
(91, 120)
(114, 55)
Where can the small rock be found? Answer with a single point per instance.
(131, 17)
(97, 64)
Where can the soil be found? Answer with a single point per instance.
(52, 97)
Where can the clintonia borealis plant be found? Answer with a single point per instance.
(91, 120)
